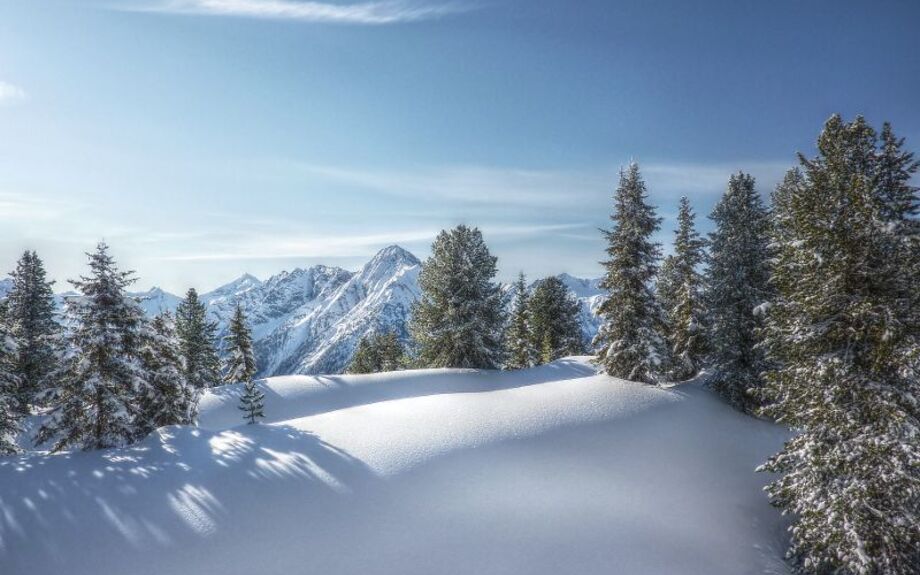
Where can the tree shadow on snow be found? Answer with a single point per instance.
(179, 483)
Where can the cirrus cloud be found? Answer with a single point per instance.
(368, 13)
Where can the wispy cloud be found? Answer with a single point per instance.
(273, 246)
(540, 188)
(10, 93)
(19, 208)
(367, 13)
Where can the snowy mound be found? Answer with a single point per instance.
(549, 470)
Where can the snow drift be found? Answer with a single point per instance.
(549, 470)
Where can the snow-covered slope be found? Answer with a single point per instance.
(544, 471)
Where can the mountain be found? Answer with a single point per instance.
(310, 320)
(6, 285)
(590, 296)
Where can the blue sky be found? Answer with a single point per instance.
(205, 138)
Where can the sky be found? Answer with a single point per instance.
(207, 138)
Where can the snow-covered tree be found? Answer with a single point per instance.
(458, 320)
(378, 352)
(96, 402)
(168, 399)
(521, 352)
(10, 414)
(554, 327)
(631, 339)
(844, 337)
(240, 360)
(737, 279)
(252, 402)
(687, 310)
(197, 342)
(34, 329)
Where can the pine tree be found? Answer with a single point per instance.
(34, 329)
(521, 350)
(240, 360)
(96, 404)
(686, 314)
(844, 338)
(197, 342)
(252, 402)
(554, 327)
(377, 353)
(458, 320)
(10, 414)
(169, 399)
(737, 281)
(666, 288)
(631, 343)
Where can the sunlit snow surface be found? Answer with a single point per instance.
(546, 471)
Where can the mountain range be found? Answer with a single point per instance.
(310, 320)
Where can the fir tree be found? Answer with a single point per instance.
(521, 351)
(630, 341)
(554, 327)
(844, 337)
(666, 287)
(240, 360)
(687, 310)
(197, 342)
(377, 353)
(737, 281)
(252, 402)
(34, 329)
(169, 399)
(458, 320)
(96, 403)
(10, 414)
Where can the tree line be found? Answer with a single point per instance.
(805, 310)
(104, 374)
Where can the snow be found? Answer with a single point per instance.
(543, 471)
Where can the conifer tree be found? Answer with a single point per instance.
(844, 337)
(686, 314)
(378, 352)
(666, 288)
(240, 360)
(168, 399)
(631, 341)
(737, 279)
(252, 402)
(34, 329)
(554, 327)
(521, 351)
(10, 414)
(197, 342)
(458, 320)
(96, 404)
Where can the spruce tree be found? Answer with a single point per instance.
(687, 312)
(738, 285)
(666, 288)
(197, 342)
(631, 341)
(168, 399)
(10, 414)
(252, 402)
(844, 338)
(458, 320)
(240, 360)
(378, 352)
(34, 329)
(521, 352)
(554, 327)
(97, 401)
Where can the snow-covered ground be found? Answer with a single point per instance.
(545, 471)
